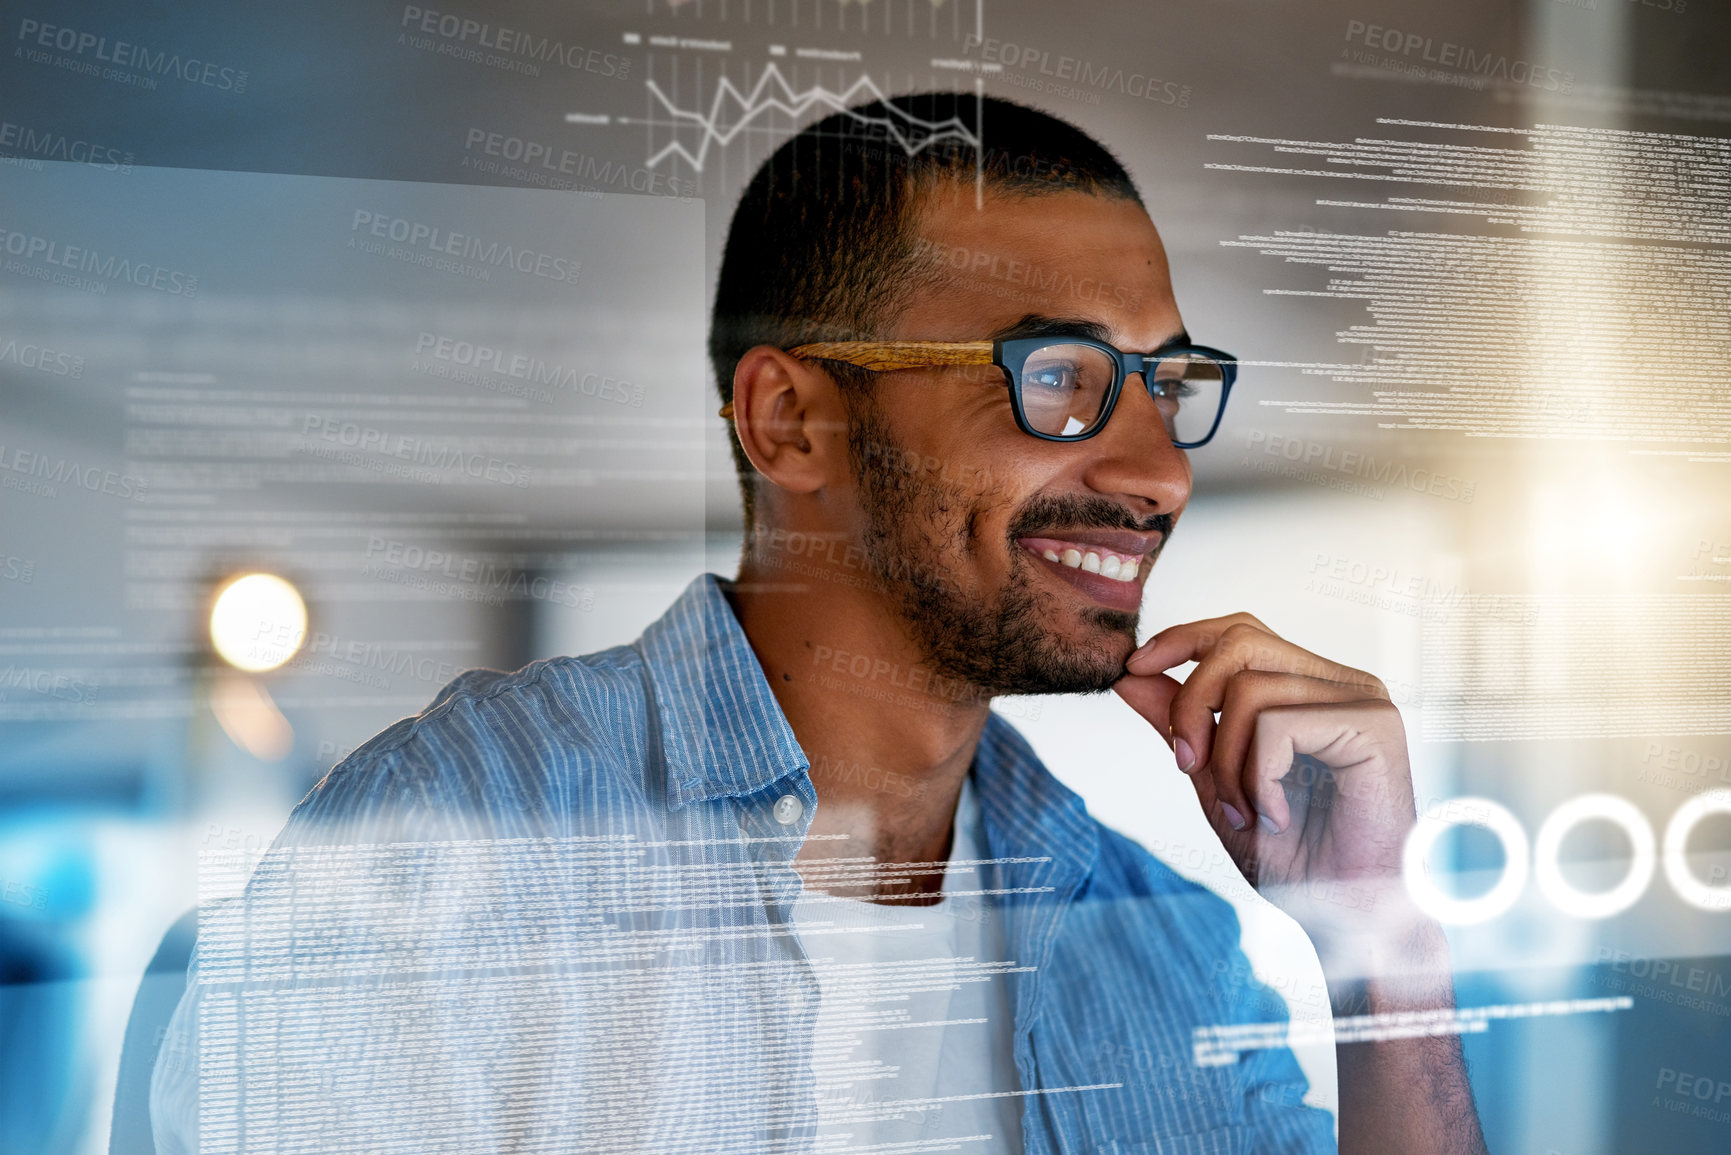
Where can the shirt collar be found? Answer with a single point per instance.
(1026, 812)
(722, 732)
(1047, 845)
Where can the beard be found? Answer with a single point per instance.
(919, 530)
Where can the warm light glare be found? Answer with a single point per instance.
(249, 716)
(258, 622)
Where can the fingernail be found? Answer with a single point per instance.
(1268, 824)
(1233, 818)
(1185, 755)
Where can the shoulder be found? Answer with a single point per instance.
(492, 744)
(1127, 864)
(1126, 870)
(1147, 932)
(1126, 881)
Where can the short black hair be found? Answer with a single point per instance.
(821, 245)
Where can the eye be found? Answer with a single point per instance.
(1052, 377)
(1064, 387)
(1174, 389)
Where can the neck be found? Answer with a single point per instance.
(889, 738)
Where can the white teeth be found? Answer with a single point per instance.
(1108, 565)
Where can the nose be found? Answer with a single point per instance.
(1133, 459)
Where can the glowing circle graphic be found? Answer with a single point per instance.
(1689, 888)
(1432, 825)
(1548, 870)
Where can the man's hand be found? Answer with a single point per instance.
(1304, 776)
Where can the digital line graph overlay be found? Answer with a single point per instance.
(1221, 1046)
(889, 15)
(789, 13)
(691, 120)
(732, 112)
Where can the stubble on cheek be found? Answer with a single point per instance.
(926, 515)
(939, 538)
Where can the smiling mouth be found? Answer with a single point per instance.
(1088, 558)
(1093, 547)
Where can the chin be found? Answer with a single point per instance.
(1109, 640)
(1116, 625)
(1106, 635)
(1087, 661)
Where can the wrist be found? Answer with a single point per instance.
(1392, 965)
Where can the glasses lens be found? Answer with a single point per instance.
(1188, 387)
(1064, 388)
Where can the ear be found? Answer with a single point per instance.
(789, 419)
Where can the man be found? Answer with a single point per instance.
(774, 878)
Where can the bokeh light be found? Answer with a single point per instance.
(257, 622)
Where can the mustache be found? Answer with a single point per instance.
(1061, 512)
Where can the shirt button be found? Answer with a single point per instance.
(788, 809)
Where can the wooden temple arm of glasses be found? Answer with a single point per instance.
(888, 356)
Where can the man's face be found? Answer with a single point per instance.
(960, 509)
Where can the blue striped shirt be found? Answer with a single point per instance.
(555, 905)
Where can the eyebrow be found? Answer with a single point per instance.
(1045, 325)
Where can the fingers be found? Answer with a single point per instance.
(1270, 758)
(1274, 700)
(1244, 637)
(1237, 648)
(1257, 710)
(1347, 737)
(1224, 648)
(1189, 642)
(1150, 697)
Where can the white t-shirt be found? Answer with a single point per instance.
(914, 1043)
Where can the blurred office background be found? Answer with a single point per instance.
(408, 310)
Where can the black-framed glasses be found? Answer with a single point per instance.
(1065, 388)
